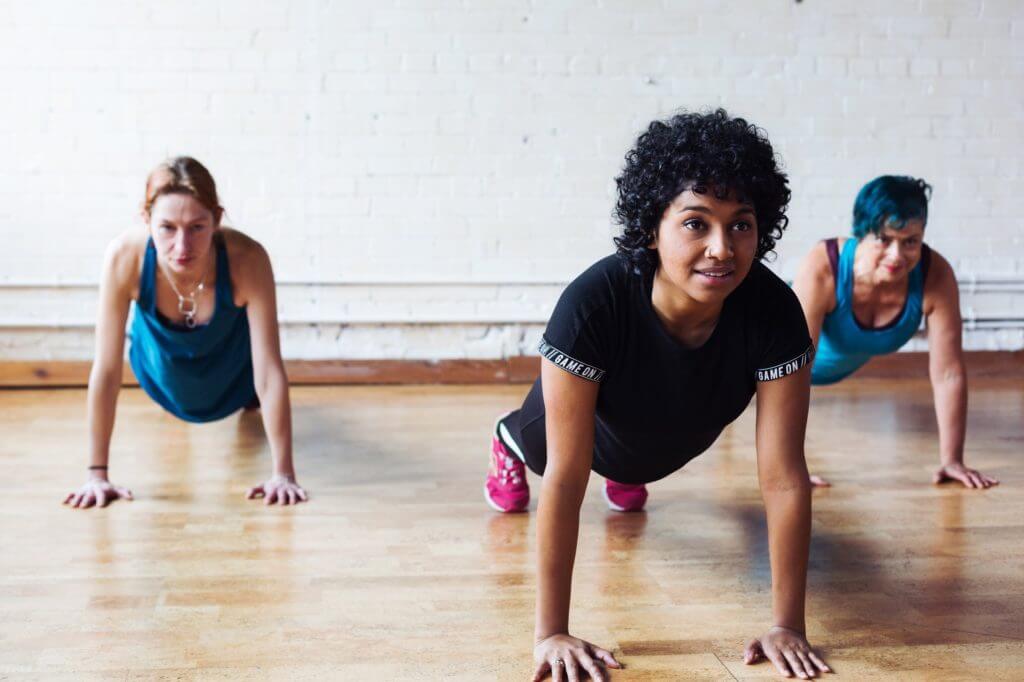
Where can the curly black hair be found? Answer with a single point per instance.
(697, 151)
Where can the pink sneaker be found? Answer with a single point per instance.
(623, 497)
(506, 489)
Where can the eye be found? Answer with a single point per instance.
(167, 228)
(742, 226)
(197, 228)
(693, 224)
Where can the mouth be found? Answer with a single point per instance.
(717, 275)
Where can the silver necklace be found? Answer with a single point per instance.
(187, 305)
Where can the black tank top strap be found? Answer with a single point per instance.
(832, 247)
(926, 262)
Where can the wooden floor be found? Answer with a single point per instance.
(397, 570)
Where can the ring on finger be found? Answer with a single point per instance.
(559, 661)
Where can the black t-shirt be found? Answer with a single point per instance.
(660, 403)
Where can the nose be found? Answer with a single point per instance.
(719, 243)
(894, 251)
(183, 243)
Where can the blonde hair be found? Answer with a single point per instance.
(183, 175)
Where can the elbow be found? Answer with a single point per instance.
(953, 374)
(269, 380)
(787, 483)
(565, 487)
(105, 375)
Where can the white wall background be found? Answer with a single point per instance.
(427, 174)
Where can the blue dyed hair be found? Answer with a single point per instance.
(890, 201)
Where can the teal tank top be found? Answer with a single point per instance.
(844, 344)
(200, 374)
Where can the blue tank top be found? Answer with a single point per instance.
(844, 344)
(198, 374)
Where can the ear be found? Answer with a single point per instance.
(218, 215)
(144, 216)
(653, 245)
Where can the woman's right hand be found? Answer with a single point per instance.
(564, 656)
(97, 491)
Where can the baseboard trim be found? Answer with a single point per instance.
(980, 364)
(515, 370)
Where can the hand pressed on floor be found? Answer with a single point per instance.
(278, 489)
(971, 478)
(567, 658)
(97, 492)
(789, 651)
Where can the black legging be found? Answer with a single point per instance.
(527, 428)
(646, 458)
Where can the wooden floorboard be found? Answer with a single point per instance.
(397, 570)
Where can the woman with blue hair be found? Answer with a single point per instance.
(866, 296)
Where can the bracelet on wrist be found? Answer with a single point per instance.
(98, 467)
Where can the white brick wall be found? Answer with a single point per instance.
(376, 148)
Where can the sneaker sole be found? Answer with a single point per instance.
(615, 507)
(494, 505)
(608, 501)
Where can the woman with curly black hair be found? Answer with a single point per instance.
(651, 352)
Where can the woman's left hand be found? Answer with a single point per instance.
(789, 651)
(279, 489)
(971, 478)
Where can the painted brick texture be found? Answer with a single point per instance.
(426, 174)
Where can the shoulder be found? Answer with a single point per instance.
(122, 262)
(815, 281)
(246, 256)
(769, 301)
(941, 283)
(599, 284)
(252, 277)
(762, 282)
(939, 269)
(817, 265)
(609, 272)
(589, 303)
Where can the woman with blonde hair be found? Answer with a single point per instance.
(204, 337)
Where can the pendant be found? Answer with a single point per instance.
(189, 310)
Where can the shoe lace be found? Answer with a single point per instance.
(508, 470)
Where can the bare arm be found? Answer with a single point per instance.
(781, 423)
(569, 403)
(117, 285)
(256, 284)
(815, 286)
(569, 407)
(948, 374)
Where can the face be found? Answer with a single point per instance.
(892, 254)
(182, 231)
(706, 245)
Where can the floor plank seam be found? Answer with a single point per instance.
(724, 667)
(962, 632)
